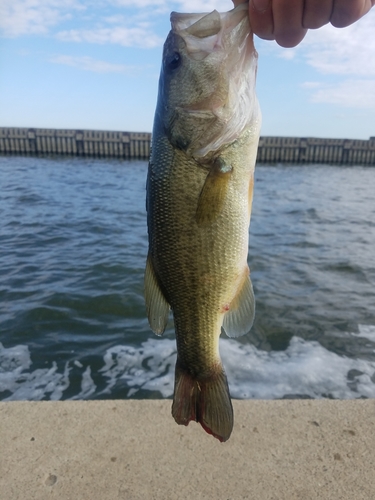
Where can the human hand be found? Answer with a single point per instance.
(287, 21)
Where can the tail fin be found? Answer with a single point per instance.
(206, 401)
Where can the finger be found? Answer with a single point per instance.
(316, 13)
(345, 13)
(261, 19)
(287, 19)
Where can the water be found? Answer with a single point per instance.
(73, 245)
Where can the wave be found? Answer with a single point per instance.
(305, 369)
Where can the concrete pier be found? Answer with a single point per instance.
(106, 450)
(134, 145)
(96, 143)
(314, 150)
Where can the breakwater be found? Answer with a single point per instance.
(316, 150)
(136, 145)
(100, 143)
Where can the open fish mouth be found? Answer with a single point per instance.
(204, 34)
(216, 56)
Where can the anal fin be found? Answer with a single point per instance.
(240, 317)
(156, 305)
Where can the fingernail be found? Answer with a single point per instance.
(261, 5)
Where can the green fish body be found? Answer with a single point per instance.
(199, 196)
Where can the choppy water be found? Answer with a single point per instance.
(73, 245)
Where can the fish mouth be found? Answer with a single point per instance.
(218, 53)
(206, 33)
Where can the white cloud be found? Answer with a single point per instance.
(180, 5)
(347, 55)
(95, 65)
(137, 30)
(140, 4)
(348, 51)
(108, 21)
(30, 17)
(311, 85)
(127, 37)
(198, 6)
(353, 93)
(288, 54)
(115, 19)
(336, 51)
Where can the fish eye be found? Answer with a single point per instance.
(174, 61)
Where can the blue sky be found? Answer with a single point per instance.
(95, 65)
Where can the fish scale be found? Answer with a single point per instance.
(198, 213)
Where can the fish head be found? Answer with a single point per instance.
(207, 82)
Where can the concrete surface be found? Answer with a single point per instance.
(95, 450)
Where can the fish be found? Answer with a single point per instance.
(199, 196)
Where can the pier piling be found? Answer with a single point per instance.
(136, 145)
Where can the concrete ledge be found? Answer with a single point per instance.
(133, 450)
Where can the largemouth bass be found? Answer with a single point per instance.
(199, 196)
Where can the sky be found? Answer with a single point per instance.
(94, 64)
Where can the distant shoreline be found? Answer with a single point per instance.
(136, 145)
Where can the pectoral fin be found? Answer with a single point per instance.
(156, 305)
(240, 317)
(214, 191)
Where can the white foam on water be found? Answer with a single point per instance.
(150, 367)
(366, 331)
(305, 369)
(88, 386)
(29, 385)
